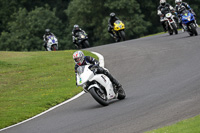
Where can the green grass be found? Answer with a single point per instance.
(32, 82)
(191, 125)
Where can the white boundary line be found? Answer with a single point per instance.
(101, 60)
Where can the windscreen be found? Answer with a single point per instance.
(80, 70)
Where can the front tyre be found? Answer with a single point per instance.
(54, 47)
(193, 29)
(122, 35)
(100, 97)
(174, 28)
(86, 44)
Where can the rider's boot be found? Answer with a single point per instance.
(164, 27)
(112, 35)
(45, 46)
(196, 23)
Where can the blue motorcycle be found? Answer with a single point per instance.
(188, 22)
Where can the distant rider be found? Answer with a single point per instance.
(75, 30)
(181, 5)
(111, 22)
(45, 37)
(81, 60)
(162, 9)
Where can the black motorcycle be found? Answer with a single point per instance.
(82, 40)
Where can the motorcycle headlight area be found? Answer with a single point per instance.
(188, 18)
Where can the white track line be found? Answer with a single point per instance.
(101, 60)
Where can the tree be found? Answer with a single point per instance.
(93, 17)
(27, 29)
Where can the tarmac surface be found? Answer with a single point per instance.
(161, 77)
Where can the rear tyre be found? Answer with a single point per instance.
(100, 97)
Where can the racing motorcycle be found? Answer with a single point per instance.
(170, 23)
(52, 43)
(188, 22)
(118, 30)
(82, 40)
(98, 85)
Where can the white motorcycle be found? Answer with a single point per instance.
(170, 23)
(98, 85)
(52, 43)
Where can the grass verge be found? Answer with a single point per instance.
(32, 82)
(191, 125)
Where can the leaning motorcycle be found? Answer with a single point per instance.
(52, 43)
(170, 23)
(118, 30)
(98, 85)
(82, 40)
(188, 22)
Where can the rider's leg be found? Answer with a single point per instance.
(45, 45)
(194, 17)
(100, 70)
(111, 33)
(163, 24)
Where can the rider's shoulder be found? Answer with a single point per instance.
(159, 7)
(88, 58)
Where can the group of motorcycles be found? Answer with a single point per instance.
(187, 19)
(118, 30)
(99, 85)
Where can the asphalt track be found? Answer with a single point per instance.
(161, 77)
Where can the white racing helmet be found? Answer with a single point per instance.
(162, 2)
(78, 57)
(178, 1)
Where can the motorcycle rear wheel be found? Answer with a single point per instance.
(101, 98)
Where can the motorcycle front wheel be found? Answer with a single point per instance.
(86, 44)
(100, 97)
(122, 35)
(54, 47)
(174, 28)
(193, 29)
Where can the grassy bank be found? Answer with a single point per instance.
(191, 125)
(32, 82)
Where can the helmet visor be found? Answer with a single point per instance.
(77, 59)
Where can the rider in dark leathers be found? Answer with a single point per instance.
(81, 60)
(111, 21)
(74, 31)
(162, 9)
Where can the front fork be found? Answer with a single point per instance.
(170, 23)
